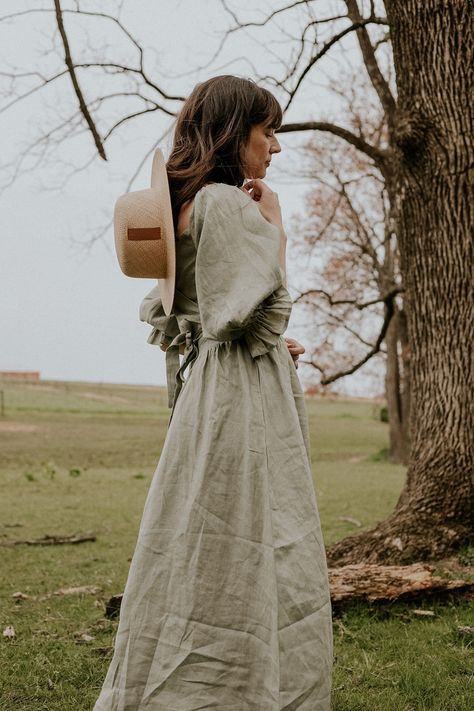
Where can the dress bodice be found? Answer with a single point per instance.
(228, 286)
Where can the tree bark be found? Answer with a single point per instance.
(395, 369)
(433, 180)
(366, 582)
(405, 366)
(393, 394)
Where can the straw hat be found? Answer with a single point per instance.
(144, 233)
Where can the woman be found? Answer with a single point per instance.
(226, 604)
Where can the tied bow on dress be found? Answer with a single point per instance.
(171, 332)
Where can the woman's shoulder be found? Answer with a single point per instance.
(222, 197)
(219, 208)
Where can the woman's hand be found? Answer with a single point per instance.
(267, 200)
(269, 206)
(295, 348)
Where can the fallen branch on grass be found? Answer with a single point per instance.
(80, 590)
(52, 540)
(363, 581)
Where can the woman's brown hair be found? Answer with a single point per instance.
(212, 126)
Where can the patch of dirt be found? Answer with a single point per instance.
(18, 427)
(104, 398)
(42, 388)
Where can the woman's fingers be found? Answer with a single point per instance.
(296, 350)
(294, 346)
(256, 188)
(252, 191)
(268, 202)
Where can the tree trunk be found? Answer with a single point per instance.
(396, 372)
(433, 171)
(405, 365)
(393, 393)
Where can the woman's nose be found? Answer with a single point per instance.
(275, 148)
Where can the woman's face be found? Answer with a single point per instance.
(257, 153)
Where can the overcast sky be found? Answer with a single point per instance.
(72, 314)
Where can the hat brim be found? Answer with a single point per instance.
(160, 187)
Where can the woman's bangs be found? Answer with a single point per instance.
(269, 110)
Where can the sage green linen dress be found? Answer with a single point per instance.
(227, 604)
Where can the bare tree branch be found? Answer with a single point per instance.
(87, 113)
(370, 60)
(327, 223)
(364, 243)
(75, 83)
(33, 90)
(239, 25)
(100, 233)
(389, 311)
(336, 376)
(128, 118)
(140, 70)
(342, 322)
(378, 155)
(326, 47)
(143, 160)
(353, 302)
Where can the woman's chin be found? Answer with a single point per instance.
(257, 174)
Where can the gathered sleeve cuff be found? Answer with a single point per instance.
(165, 328)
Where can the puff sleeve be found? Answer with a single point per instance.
(239, 281)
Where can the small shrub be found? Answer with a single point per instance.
(381, 456)
(49, 470)
(466, 556)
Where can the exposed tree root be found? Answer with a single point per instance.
(400, 539)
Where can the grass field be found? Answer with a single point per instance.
(78, 457)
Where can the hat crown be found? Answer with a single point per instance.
(144, 233)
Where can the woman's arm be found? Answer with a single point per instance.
(282, 254)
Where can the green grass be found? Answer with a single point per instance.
(86, 464)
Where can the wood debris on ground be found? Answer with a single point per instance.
(48, 540)
(363, 581)
(371, 582)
